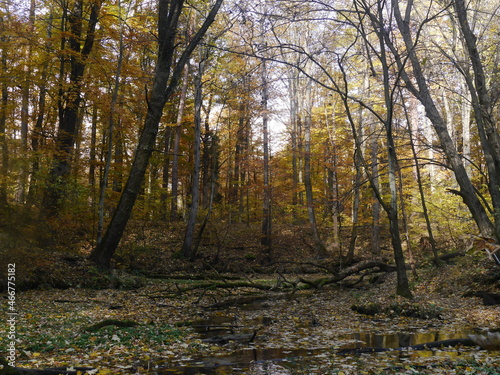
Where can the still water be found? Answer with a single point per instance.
(281, 361)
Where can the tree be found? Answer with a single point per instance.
(169, 67)
(482, 99)
(187, 247)
(69, 111)
(266, 234)
(3, 120)
(319, 247)
(113, 117)
(420, 89)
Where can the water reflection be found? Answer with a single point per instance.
(242, 360)
(398, 340)
(281, 361)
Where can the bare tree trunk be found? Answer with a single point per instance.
(332, 194)
(93, 145)
(165, 176)
(376, 206)
(25, 98)
(3, 130)
(266, 236)
(174, 216)
(207, 161)
(466, 139)
(240, 154)
(188, 250)
(294, 134)
(423, 201)
(402, 288)
(358, 165)
(320, 248)
(111, 129)
(118, 156)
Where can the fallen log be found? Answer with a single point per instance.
(489, 299)
(358, 267)
(448, 256)
(111, 322)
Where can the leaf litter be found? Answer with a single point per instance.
(299, 334)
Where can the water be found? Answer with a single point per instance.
(277, 361)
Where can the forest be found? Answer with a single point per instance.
(260, 187)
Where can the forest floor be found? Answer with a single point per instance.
(157, 313)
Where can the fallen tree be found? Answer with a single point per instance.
(373, 266)
(377, 265)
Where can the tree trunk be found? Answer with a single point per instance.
(93, 146)
(240, 154)
(188, 251)
(207, 161)
(3, 130)
(358, 165)
(174, 216)
(466, 137)
(376, 206)
(166, 79)
(421, 192)
(113, 115)
(318, 244)
(266, 238)
(294, 134)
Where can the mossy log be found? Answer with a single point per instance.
(358, 267)
(111, 322)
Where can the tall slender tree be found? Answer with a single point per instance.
(188, 250)
(266, 234)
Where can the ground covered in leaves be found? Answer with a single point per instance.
(297, 332)
(236, 310)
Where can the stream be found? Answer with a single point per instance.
(250, 359)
